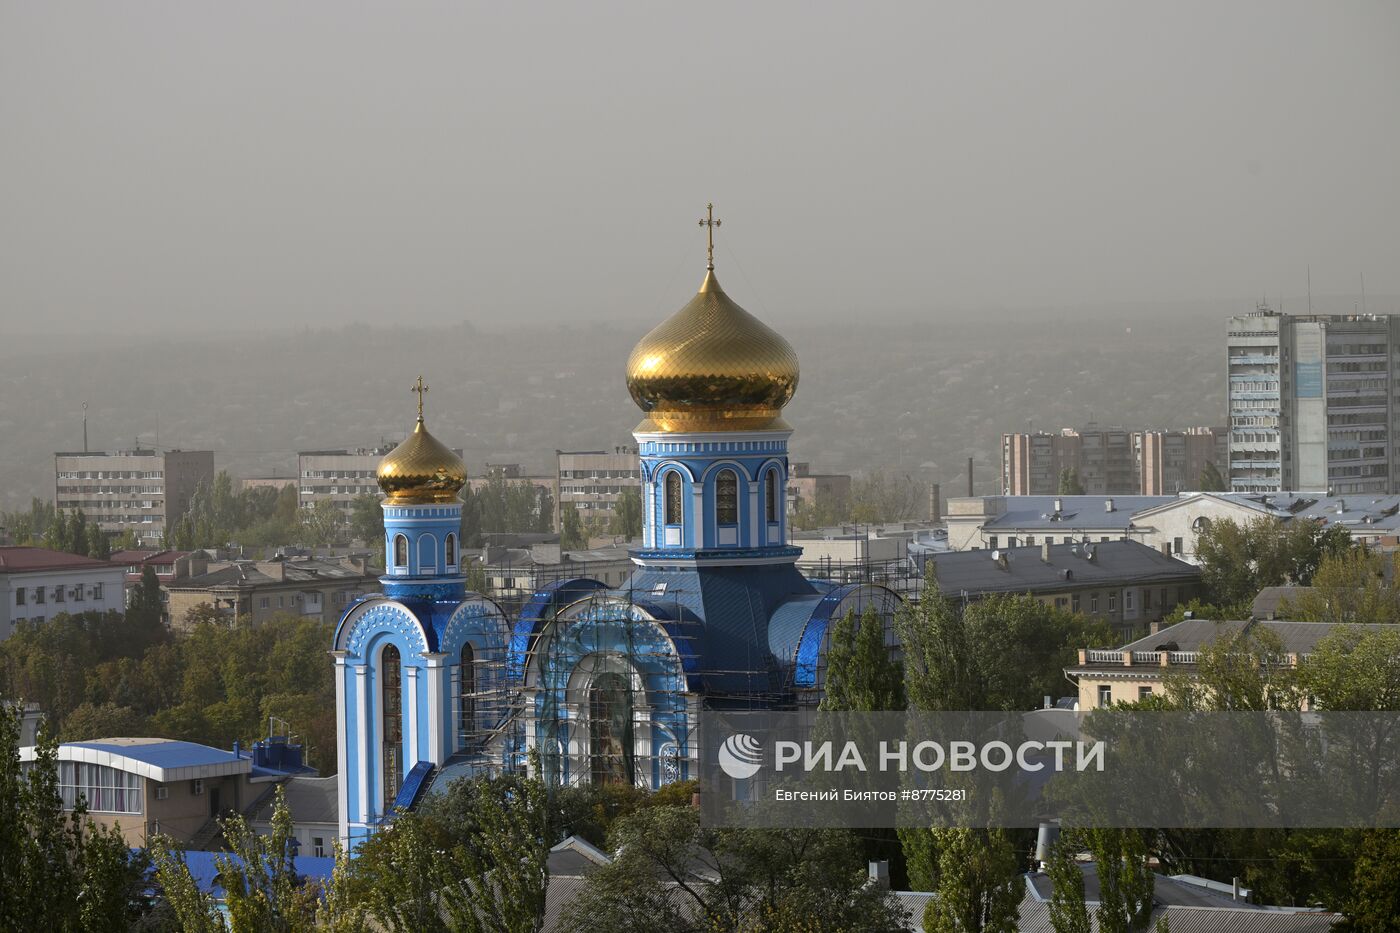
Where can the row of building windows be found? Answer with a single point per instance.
(106, 789)
(111, 474)
(340, 474)
(62, 593)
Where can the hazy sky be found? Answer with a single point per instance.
(195, 166)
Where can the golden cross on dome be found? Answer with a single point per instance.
(710, 222)
(421, 390)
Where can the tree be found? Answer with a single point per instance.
(1353, 669)
(1373, 902)
(1069, 483)
(57, 872)
(324, 523)
(1354, 585)
(627, 515)
(978, 883)
(1126, 882)
(367, 520)
(860, 673)
(1210, 479)
(95, 721)
(881, 498)
(1068, 911)
(1238, 560)
(481, 870)
(672, 874)
(573, 537)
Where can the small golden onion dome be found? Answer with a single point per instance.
(422, 470)
(712, 366)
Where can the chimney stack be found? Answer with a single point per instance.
(969, 477)
(1108, 505)
(1045, 549)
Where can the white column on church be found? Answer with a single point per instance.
(365, 767)
(754, 517)
(649, 525)
(697, 502)
(437, 670)
(342, 775)
(411, 758)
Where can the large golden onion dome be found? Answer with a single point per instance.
(712, 366)
(422, 469)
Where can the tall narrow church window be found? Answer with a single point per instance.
(450, 551)
(673, 498)
(400, 551)
(391, 723)
(727, 498)
(771, 496)
(466, 699)
(610, 730)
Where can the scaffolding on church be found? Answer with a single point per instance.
(619, 686)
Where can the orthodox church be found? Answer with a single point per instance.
(605, 685)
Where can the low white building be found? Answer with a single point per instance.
(38, 584)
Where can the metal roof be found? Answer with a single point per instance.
(1025, 569)
(162, 760)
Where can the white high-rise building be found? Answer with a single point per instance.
(1312, 404)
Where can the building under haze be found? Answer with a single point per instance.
(143, 490)
(1313, 402)
(340, 476)
(592, 481)
(605, 684)
(1111, 461)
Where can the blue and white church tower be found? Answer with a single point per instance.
(716, 614)
(409, 664)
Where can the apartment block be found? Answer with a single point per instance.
(593, 480)
(1313, 404)
(805, 486)
(1173, 461)
(1114, 462)
(141, 489)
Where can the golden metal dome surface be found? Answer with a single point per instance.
(422, 469)
(712, 366)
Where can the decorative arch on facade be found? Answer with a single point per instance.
(773, 492)
(726, 506)
(400, 552)
(365, 619)
(427, 553)
(608, 635)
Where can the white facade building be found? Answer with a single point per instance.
(39, 584)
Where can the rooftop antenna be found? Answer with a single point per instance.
(1310, 310)
(157, 443)
(1363, 293)
(85, 442)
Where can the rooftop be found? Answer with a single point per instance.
(162, 760)
(247, 573)
(1026, 569)
(16, 559)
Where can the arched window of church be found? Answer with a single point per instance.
(610, 730)
(466, 698)
(770, 499)
(450, 551)
(391, 723)
(400, 551)
(727, 498)
(674, 511)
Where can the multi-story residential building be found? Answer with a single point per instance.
(268, 482)
(1141, 667)
(814, 488)
(1111, 462)
(513, 475)
(143, 490)
(1126, 584)
(593, 480)
(1312, 402)
(37, 584)
(251, 591)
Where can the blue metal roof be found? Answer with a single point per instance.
(164, 753)
(1038, 512)
(205, 871)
